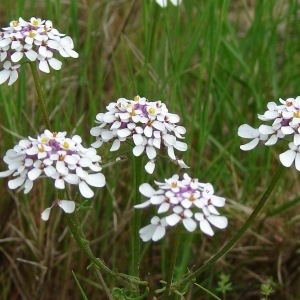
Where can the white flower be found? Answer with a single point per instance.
(52, 155)
(36, 40)
(10, 72)
(248, 132)
(274, 130)
(285, 127)
(164, 3)
(205, 221)
(184, 215)
(155, 231)
(66, 46)
(66, 205)
(21, 50)
(148, 124)
(184, 201)
(288, 157)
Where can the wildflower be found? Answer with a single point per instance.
(9, 72)
(288, 157)
(66, 205)
(63, 160)
(285, 126)
(155, 231)
(246, 131)
(35, 40)
(185, 201)
(148, 125)
(164, 3)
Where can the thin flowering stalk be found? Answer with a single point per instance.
(73, 220)
(181, 284)
(82, 242)
(136, 225)
(39, 91)
(172, 262)
(104, 286)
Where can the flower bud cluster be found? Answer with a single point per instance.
(285, 125)
(187, 201)
(148, 124)
(37, 40)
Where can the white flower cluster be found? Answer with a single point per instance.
(36, 40)
(148, 124)
(285, 119)
(52, 155)
(187, 201)
(164, 3)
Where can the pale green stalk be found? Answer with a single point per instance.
(39, 91)
(174, 252)
(136, 223)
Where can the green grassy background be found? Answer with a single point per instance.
(216, 64)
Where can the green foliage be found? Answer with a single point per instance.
(224, 285)
(267, 289)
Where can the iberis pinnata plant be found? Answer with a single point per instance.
(35, 40)
(148, 124)
(187, 201)
(284, 125)
(164, 3)
(53, 155)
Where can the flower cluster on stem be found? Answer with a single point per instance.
(148, 124)
(284, 125)
(53, 155)
(187, 201)
(35, 40)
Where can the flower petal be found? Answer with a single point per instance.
(287, 157)
(45, 214)
(173, 219)
(159, 233)
(206, 228)
(96, 180)
(250, 146)
(147, 190)
(67, 206)
(189, 224)
(85, 190)
(220, 222)
(149, 167)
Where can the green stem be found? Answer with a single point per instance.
(136, 223)
(82, 238)
(210, 293)
(104, 286)
(174, 252)
(83, 244)
(79, 237)
(238, 235)
(39, 91)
